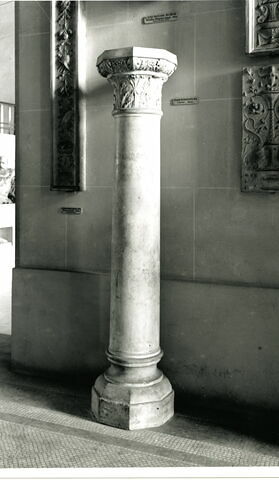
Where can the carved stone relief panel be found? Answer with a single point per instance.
(67, 41)
(262, 26)
(260, 129)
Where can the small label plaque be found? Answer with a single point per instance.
(163, 17)
(184, 101)
(71, 210)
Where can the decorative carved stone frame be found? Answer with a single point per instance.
(67, 85)
(262, 26)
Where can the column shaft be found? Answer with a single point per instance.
(135, 286)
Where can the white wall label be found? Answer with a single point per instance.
(184, 101)
(163, 17)
(71, 210)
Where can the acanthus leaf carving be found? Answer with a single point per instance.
(136, 92)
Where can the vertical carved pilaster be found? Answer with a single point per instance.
(67, 102)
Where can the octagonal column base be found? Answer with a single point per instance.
(132, 406)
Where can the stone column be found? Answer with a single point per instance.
(133, 393)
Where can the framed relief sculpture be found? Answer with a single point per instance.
(260, 129)
(262, 26)
(67, 95)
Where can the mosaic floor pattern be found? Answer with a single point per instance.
(45, 424)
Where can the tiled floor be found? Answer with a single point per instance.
(49, 424)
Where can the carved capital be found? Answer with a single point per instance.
(137, 75)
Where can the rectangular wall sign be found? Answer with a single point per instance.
(164, 17)
(71, 210)
(184, 101)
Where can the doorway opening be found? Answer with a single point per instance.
(7, 212)
(7, 164)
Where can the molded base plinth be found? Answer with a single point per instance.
(132, 407)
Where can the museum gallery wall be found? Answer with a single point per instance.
(218, 243)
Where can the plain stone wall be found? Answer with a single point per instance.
(220, 341)
(219, 246)
(7, 51)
